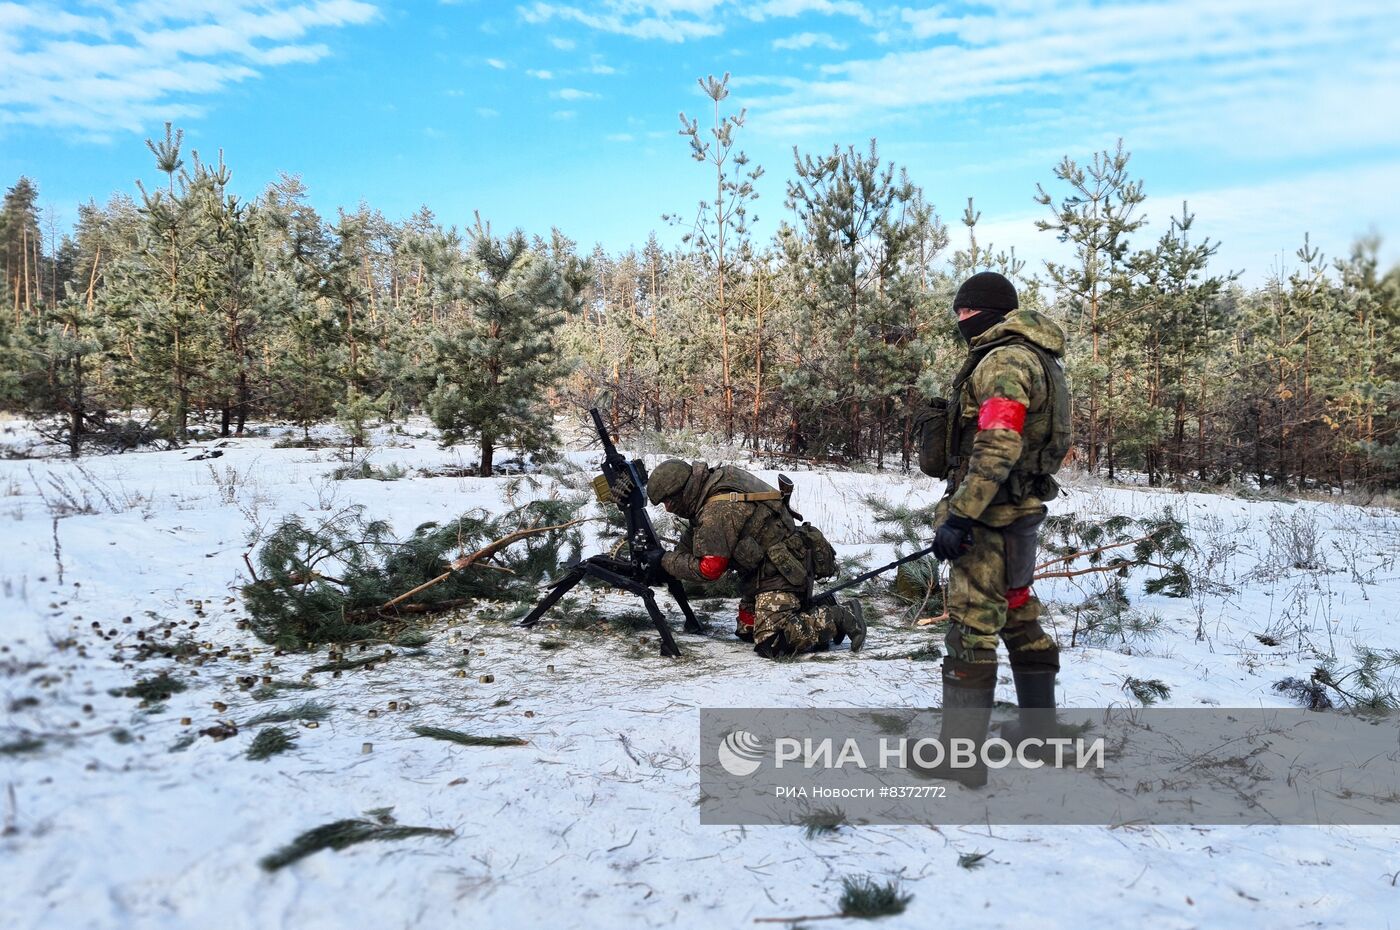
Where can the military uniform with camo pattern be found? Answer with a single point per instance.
(739, 522)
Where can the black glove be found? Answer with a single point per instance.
(954, 537)
(652, 572)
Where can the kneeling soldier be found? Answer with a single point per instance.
(739, 522)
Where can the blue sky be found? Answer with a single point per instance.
(1272, 117)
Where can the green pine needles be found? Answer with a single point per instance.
(345, 833)
(1147, 690)
(327, 582)
(151, 690)
(862, 896)
(497, 359)
(310, 710)
(467, 739)
(270, 742)
(823, 821)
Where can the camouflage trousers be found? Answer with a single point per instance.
(989, 597)
(782, 628)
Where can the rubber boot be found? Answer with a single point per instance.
(1035, 698)
(967, 712)
(850, 624)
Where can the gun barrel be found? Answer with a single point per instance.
(609, 450)
(829, 595)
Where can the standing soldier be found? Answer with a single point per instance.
(998, 441)
(739, 522)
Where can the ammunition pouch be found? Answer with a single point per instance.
(932, 433)
(789, 557)
(1020, 485)
(821, 556)
(748, 554)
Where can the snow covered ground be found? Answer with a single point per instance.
(593, 822)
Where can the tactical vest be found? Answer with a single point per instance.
(945, 439)
(771, 533)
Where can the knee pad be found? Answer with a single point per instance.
(966, 645)
(775, 646)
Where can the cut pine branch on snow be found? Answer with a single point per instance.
(467, 561)
(347, 577)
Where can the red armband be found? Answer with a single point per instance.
(746, 617)
(712, 566)
(1017, 597)
(1001, 413)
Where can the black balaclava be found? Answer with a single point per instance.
(974, 326)
(990, 293)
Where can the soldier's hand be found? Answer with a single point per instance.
(954, 537)
(652, 572)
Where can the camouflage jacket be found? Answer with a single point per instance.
(727, 534)
(1008, 385)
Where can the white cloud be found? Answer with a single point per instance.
(1265, 75)
(563, 114)
(542, 75)
(291, 54)
(665, 20)
(573, 93)
(620, 137)
(126, 68)
(681, 20)
(564, 45)
(788, 9)
(1258, 225)
(496, 63)
(487, 113)
(804, 40)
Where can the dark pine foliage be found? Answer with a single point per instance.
(327, 582)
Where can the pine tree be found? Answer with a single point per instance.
(1097, 217)
(1179, 313)
(300, 366)
(494, 363)
(721, 226)
(160, 293)
(857, 230)
(21, 252)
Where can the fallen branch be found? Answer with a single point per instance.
(301, 578)
(794, 920)
(1078, 555)
(486, 552)
(930, 621)
(1114, 567)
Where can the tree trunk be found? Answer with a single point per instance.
(75, 422)
(242, 401)
(758, 365)
(488, 451)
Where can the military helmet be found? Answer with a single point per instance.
(667, 480)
